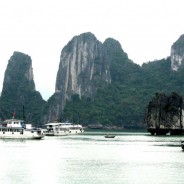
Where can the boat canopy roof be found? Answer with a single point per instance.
(13, 120)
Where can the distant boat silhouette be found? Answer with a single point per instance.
(109, 136)
(182, 144)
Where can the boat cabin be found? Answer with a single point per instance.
(13, 123)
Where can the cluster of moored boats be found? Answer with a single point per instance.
(18, 129)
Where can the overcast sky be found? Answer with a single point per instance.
(146, 29)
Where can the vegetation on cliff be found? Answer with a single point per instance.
(120, 98)
(123, 102)
(19, 91)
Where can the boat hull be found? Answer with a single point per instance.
(20, 137)
(63, 133)
(109, 136)
(55, 134)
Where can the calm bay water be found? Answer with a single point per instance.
(92, 159)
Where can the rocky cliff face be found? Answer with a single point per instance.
(81, 63)
(19, 89)
(84, 66)
(165, 114)
(19, 67)
(177, 54)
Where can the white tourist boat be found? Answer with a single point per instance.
(61, 129)
(17, 129)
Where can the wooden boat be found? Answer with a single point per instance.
(109, 136)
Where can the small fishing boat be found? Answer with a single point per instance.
(18, 129)
(109, 136)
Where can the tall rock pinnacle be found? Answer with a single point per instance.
(81, 61)
(19, 90)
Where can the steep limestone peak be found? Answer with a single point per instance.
(19, 73)
(88, 36)
(177, 54)
(19, 90)
(82, 38)
(113, 46)
(86, 65)
(78, 64)
(20, 57)
(111, 42)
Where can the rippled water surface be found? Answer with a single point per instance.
(93, 159)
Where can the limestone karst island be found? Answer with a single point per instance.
(97, 84)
